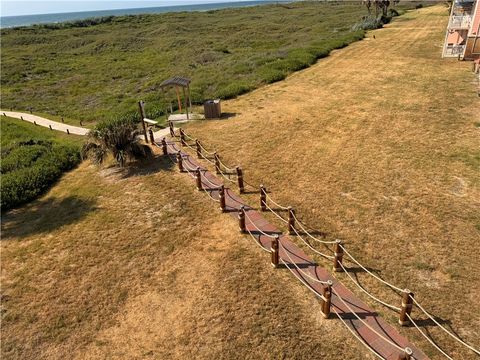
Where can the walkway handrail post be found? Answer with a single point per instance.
(222, 198)
(141, 106)
(172, 131)
(337, 260)
(274, 251)
(152, 138)
(291, 220)
(406, 308)
(198, 176)
(241, 220)
(263, 198)
(180, 161)
(182, 137)
(164, 147)
(327, 299)
(50, 126)
(406, 354)
(199, 149)
(240, 179)
(217, 163)
(68, 131)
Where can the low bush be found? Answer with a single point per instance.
(233, 90)
(418, 6)
(33, 158)
(393, 13)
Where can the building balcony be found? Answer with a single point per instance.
(460, 22)
(454, 50)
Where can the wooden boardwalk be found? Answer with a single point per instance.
(380, 338)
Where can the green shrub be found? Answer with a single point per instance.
(393, 13)
(270, 75)
(418, 6)
(233, 90)
(23, 180)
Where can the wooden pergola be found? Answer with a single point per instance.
(178, 82)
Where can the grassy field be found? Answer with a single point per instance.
(139, 264)
(33, 158)
(378, 145)
(94, 72)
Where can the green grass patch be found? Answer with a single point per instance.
(33, 158)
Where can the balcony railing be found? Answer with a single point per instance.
(460, 22)
(454, 50)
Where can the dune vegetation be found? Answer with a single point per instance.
(96, 69)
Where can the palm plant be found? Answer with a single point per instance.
(119, 137)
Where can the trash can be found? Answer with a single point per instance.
(212, 109)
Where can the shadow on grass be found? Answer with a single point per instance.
(46, 215)
(141, 168)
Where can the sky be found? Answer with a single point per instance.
(22, 7)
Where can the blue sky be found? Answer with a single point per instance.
(20, 7)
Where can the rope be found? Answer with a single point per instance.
(428, 338)
(444, 329)
(310, 235)
(302, 281)
(298, 268)
(188, 136)
(225, 166)
(257, 241)
(208, 152)
(312, 248)
(256, 227)
(366, 292)
(357, 336)
(274, 213)
(268, 197)
(366, 324)
(369, 272)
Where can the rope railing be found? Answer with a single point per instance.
(306, 232)
(444, 329)
(256, 227)
(286, 251)
(393, 307)
(387, 340)
(428, 338)
(330, 257)
(309, 234)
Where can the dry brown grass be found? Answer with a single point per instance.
(144, 266)
(377, 145)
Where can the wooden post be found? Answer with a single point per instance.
(291, 221)
(240, 179)
(50, 126)
(327, 300)
(241, 220)
(189, 98)
(182, 137)
(406, 308)
(199, 149)
(81, 124)
(198, 176)
(68, 132)
(172, 131)
(141, 106)
(164, 147)
(179, 161)
(222, 198)
(217, 163)
(4, 114)
(21, 117)
(274, 251)
(406, 354)
(338, 256)
(63, 121)
(186, 101)
(263, 198)
(34, 122)
(152, 138)
(30, 110)
(178, 99)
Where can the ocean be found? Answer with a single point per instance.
(25, 20)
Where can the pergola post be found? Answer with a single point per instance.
(186, 101)
(141, 105)
(178, 99)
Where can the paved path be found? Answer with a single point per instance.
(378, 336)
(77, 130)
